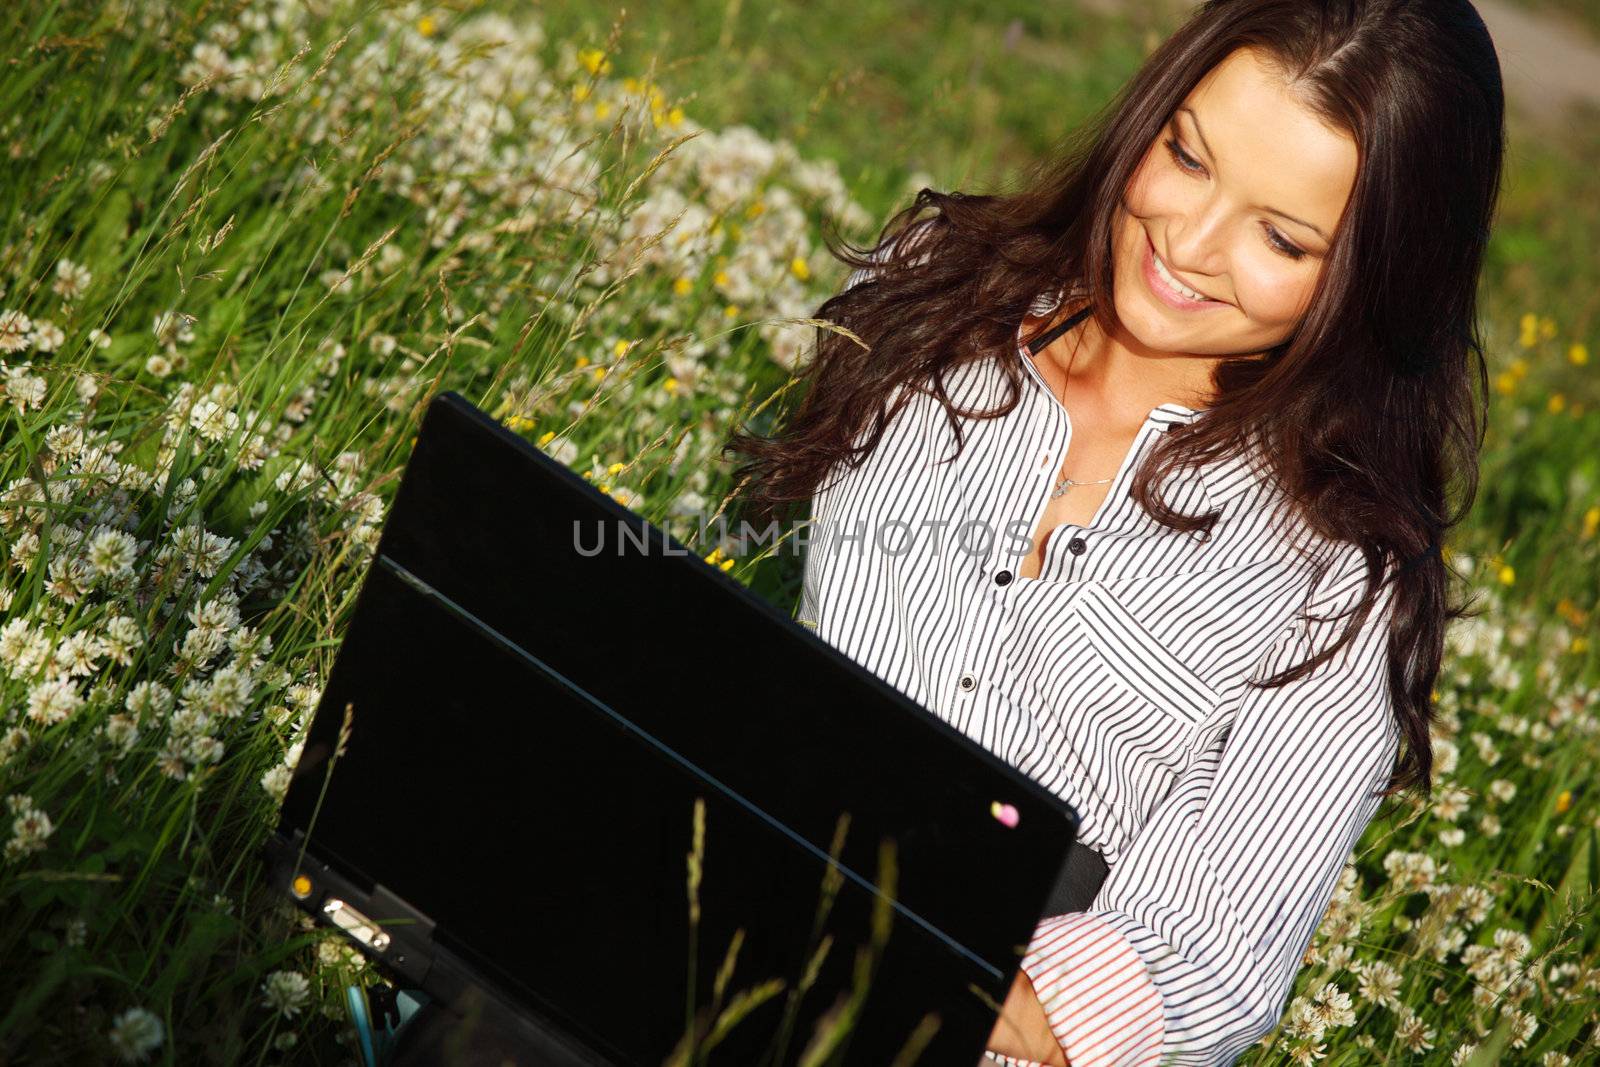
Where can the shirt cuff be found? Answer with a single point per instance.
(1103, 1007)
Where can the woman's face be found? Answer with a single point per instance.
(1238, 198)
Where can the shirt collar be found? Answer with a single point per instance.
(1224, 479)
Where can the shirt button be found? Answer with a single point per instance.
(967, 682)
(1076, 546)
(1003, 578)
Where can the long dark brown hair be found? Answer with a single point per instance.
(1365, 413)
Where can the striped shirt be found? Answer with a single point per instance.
(1117, 680)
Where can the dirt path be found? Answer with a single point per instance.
(1548, 62)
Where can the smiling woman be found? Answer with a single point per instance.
(1199, 391)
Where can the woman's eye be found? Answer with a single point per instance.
(1275, 239)
(1182, 158)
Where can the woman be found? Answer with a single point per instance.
(1140, 481)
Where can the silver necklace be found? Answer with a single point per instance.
(1067, 483)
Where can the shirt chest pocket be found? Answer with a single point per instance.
(1136, 661)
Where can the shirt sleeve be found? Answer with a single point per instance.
(1192, 944)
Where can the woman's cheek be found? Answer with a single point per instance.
(1273, 300)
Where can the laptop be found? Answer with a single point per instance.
(537, 698)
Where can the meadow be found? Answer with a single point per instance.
(245, 242)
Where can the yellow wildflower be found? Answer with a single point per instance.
(1508, 574)
(800, 267)
(1505, 382)
(1563, 801)
(580, 93)
(1578, 354)
(546, 437)
(731, 310)
(599, 373)
(621, 347)
(426, 26)
(594, 61)
(519, 423)
(756, 207)
(581, 362)
(1591, 521)
(601, 110)
(682, 286)
(615, 467)
(670, 385)
(1556, 402)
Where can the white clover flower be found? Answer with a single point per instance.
(1523, 1027)
(228, 691)
(170, 760)
(276, 782)
(158, 366)
(99, 338)
(1451, 802)
(16, 331)
(1476, 903)
(52, 700)
(1412, 871)
(1303, 1020)
(64, 440)
(1502, 790)
(148, 698)
(122, 730)
(18, 644)
(202, 750)
(1379, 984)
(1411, 1032)
(286, 992)
(11, 742)
(112, 552)
(30, 827)
(135, 1034)
(72, 280)
(1332, 1006)
(1463, 1054)
(78, 654)
(47, 336)
(1452, 836)
(119, 638)
(25, 390)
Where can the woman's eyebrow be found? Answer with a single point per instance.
(1270, 210)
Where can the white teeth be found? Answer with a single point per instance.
(1161, 269)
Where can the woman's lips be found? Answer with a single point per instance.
(1164, 292)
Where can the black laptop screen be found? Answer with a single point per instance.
(531, 729)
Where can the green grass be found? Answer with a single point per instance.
(283, 282)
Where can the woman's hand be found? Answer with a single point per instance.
(1023, 1030)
